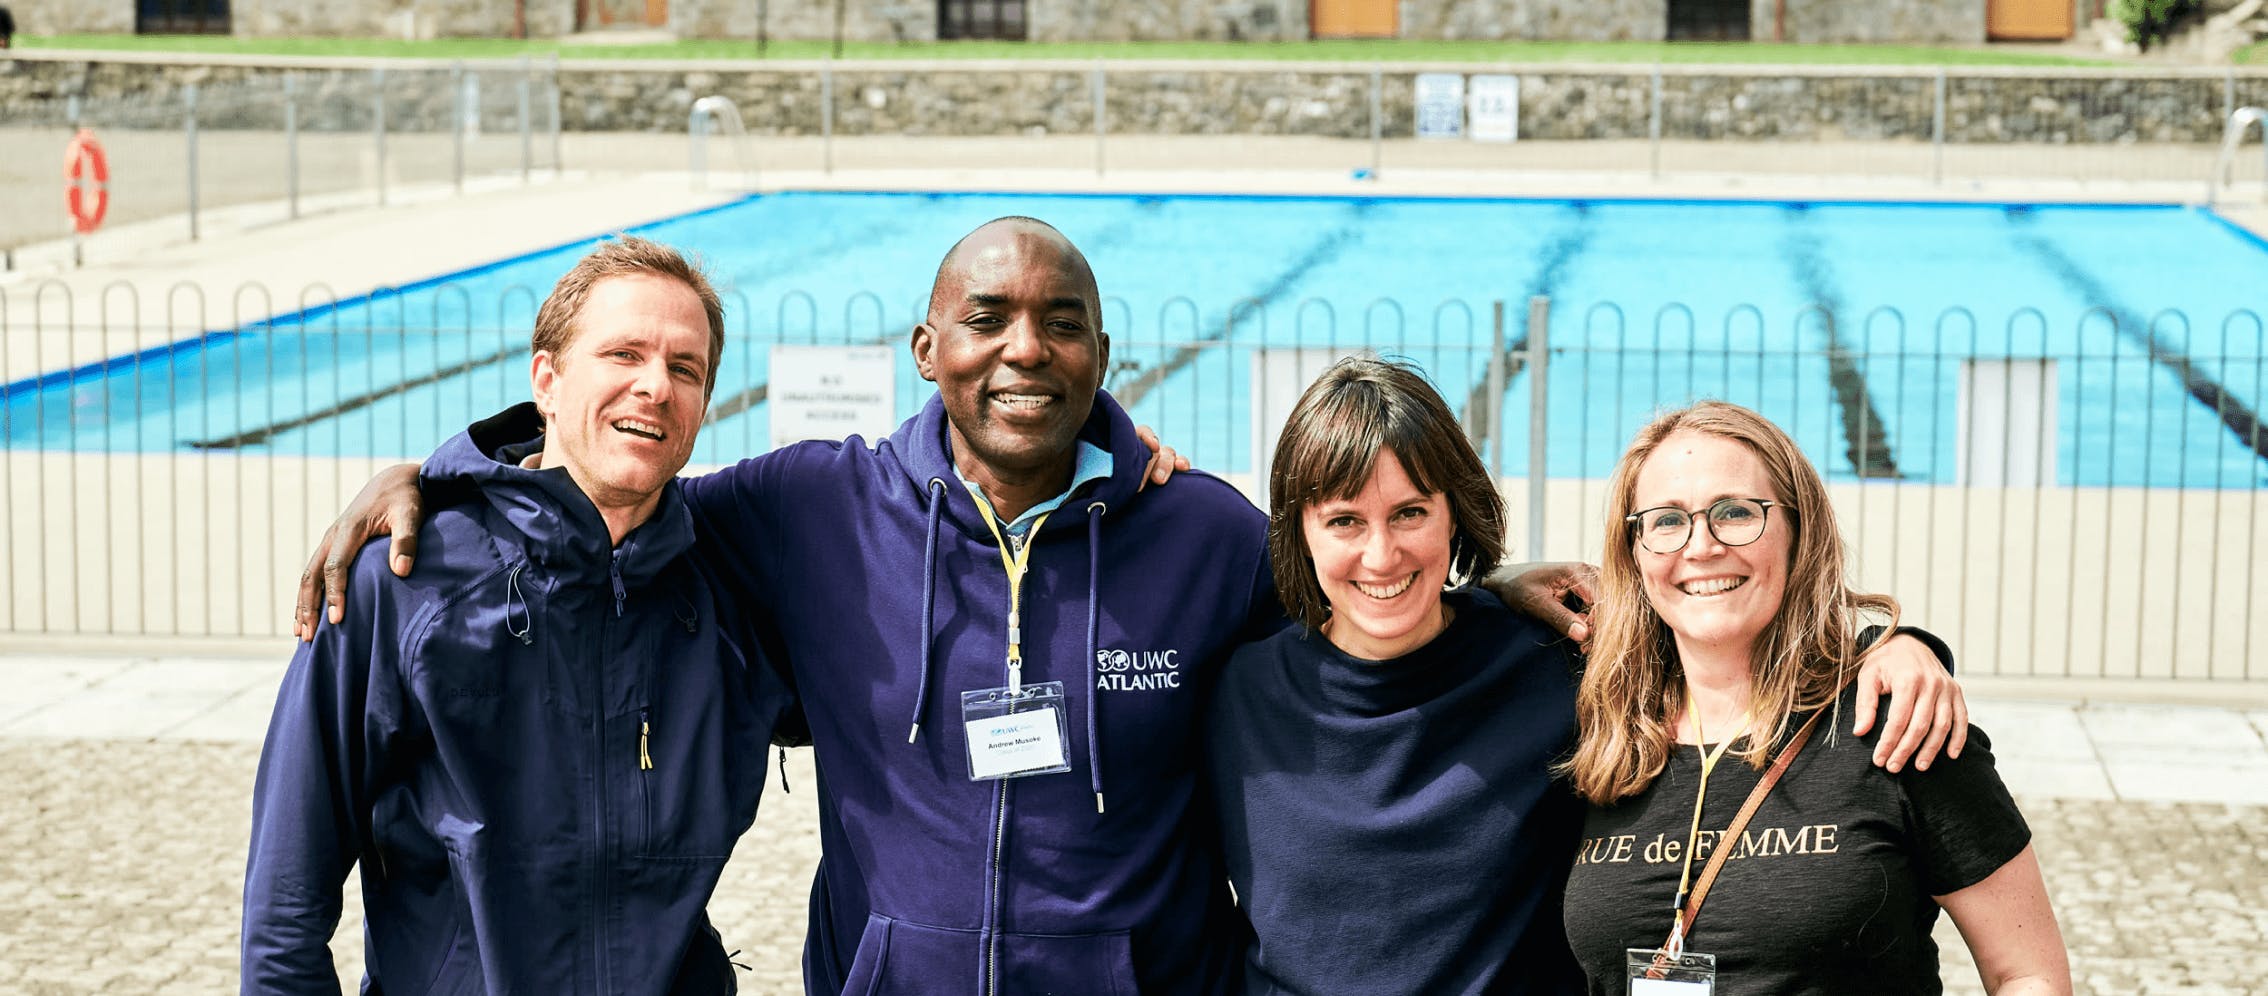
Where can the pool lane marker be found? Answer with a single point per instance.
(2240, 420)
(1867, 445)
(1323, 250)
(1556, 256)
(255, 437)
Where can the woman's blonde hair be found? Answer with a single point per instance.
(1632, 687)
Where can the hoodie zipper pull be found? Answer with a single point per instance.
(614, 570)
(645, 731)
(784, 789)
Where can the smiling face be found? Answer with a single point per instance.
(623, 398)
(1716, 599)
(1381, 557)
(1014, 343)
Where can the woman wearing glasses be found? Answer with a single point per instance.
(1725, 624)
(1382, 773)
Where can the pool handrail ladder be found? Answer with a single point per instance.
(2224, 164)
(711, 113)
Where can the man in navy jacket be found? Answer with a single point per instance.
(998, 543)
(541, 747)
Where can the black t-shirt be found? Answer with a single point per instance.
(1830, 889)
(1393, 826)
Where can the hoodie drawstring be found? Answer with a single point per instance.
(512, 597)
(928, 602)
(1095, 512)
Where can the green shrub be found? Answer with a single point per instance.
(2147, 21)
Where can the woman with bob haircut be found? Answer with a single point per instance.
(1725, 624)
(1389, 814)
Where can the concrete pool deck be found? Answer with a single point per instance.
(128, 827)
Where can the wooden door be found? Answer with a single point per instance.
(2028, 20)
(1352, 18)
(625, 13)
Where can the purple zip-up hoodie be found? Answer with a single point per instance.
(888, 594)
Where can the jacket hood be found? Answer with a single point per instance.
(925, 452)
(558, 525)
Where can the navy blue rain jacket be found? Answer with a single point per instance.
(539, 750)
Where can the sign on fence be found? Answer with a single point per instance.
(2008, 422)
(1492, 105)
(829, 392)
(1440, 102)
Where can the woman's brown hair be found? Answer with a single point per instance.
(1356, 409)
(1632, 688)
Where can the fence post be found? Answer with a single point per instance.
(189, 131)
(827, 117)
(527, 125)
(558, 153)
(1539, 409)
(78, 256)
(1937, 132)
(1654, 123)
(457, 125)
(1494, 410)
(378, 125)
(1377, 119)
(1101, 124)
(291, 141)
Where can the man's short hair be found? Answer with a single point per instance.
(626, 255)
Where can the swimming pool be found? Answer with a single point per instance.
(1847, 322)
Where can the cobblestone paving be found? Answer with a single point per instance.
(125, 860)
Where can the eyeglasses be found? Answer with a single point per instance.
(1733, 521)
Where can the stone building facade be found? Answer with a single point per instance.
(1820, 21)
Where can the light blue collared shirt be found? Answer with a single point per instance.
(1092, 464)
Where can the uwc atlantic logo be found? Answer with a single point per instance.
(1137, 670)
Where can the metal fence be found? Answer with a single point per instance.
(2081, 501)
(288, 141)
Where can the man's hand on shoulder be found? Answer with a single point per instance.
(1561, 594)
(389, 505)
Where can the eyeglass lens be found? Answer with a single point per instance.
(1733, 521)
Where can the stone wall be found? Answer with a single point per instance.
(1568, 20)
(334, 18)
(1168, 20)
(73, 17)
(1919, 22)
(917, 98)
(397, 18)
(865, 20)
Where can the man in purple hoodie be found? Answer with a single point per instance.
(1003, 643)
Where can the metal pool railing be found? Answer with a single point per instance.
(2073, 496)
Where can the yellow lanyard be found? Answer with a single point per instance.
(1709, 761)
(1014, 563)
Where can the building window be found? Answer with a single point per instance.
(1708, 20)
(181, 17)
(999, 20)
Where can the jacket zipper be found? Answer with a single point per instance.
(601, 840)
(994, 900)
(645, 790)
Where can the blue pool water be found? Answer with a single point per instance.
(1845, 322)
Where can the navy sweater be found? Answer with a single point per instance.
(1392, 826)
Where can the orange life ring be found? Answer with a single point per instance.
(86, 188)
